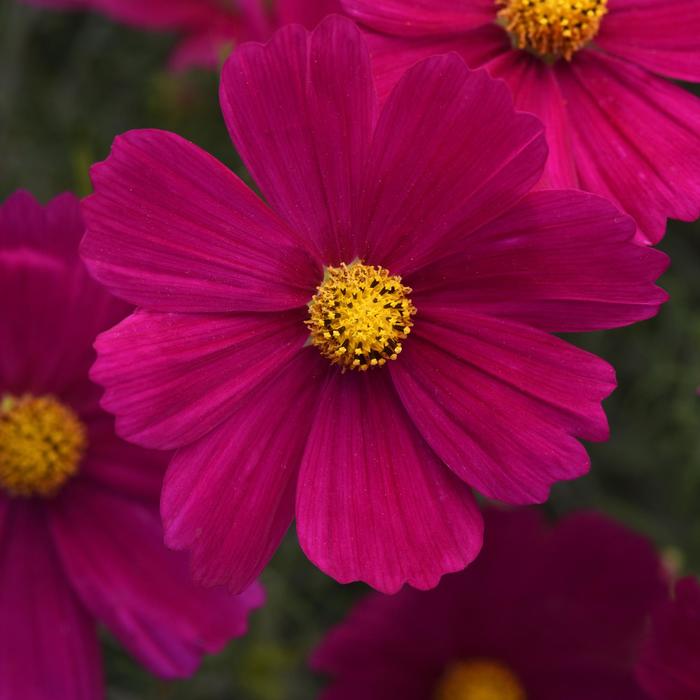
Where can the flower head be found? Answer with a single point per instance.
(402, 241)
(549, 613)
(80, 538)
(595, 71)
(668, 664)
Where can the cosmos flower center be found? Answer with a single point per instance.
(552, 28)
(359, 316)
(479, 679)
(42, 442)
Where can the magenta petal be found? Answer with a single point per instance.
(229, 497)
(38, 280)
(4, 512)
(300, 111)
(661, 35)
(596, 583)
(121, 467)
(373, 502)
(563, 261)
(501, 403)
(668, 666)
(419, 17)
(449, 154)
(592, 585)
(55, 229)
(306, 12)
(74, 310)
(171, 378)
(392, 56)
(396, 646)
(61, 307)
(171, 228)
(256, 16)
(635, 139)
(48, 646)
(535, 89)
(113, 551)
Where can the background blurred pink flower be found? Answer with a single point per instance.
(209, 28)
(669, 666)
(615, 124)
(548, 613)
(377, 466)
(80, 537)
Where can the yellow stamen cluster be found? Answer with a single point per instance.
(41, 445)
(359, 316)
(552, 28)
(479, 679)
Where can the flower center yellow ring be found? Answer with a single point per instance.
(552, 29)
(359, 316)
(42, 442)
(479, 679)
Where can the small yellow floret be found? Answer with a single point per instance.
(359, 316)
(42, 443)
(479, 679)
(552, 28)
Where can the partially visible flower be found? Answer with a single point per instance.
(594, 71)
(209, 28)
(669, 665)
(544, 613)
(377, 341)
(80, 537)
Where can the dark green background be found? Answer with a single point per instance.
(70, 82)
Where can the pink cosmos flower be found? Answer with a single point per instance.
(669, 665)
(544, 614)
(209, 27)
(80, 537)
(594, 71)
(257, 320)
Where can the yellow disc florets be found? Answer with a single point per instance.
(479, 679)
(41, 445)
(360, 315)
(552, 28)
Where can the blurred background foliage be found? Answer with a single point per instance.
(70, 82)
